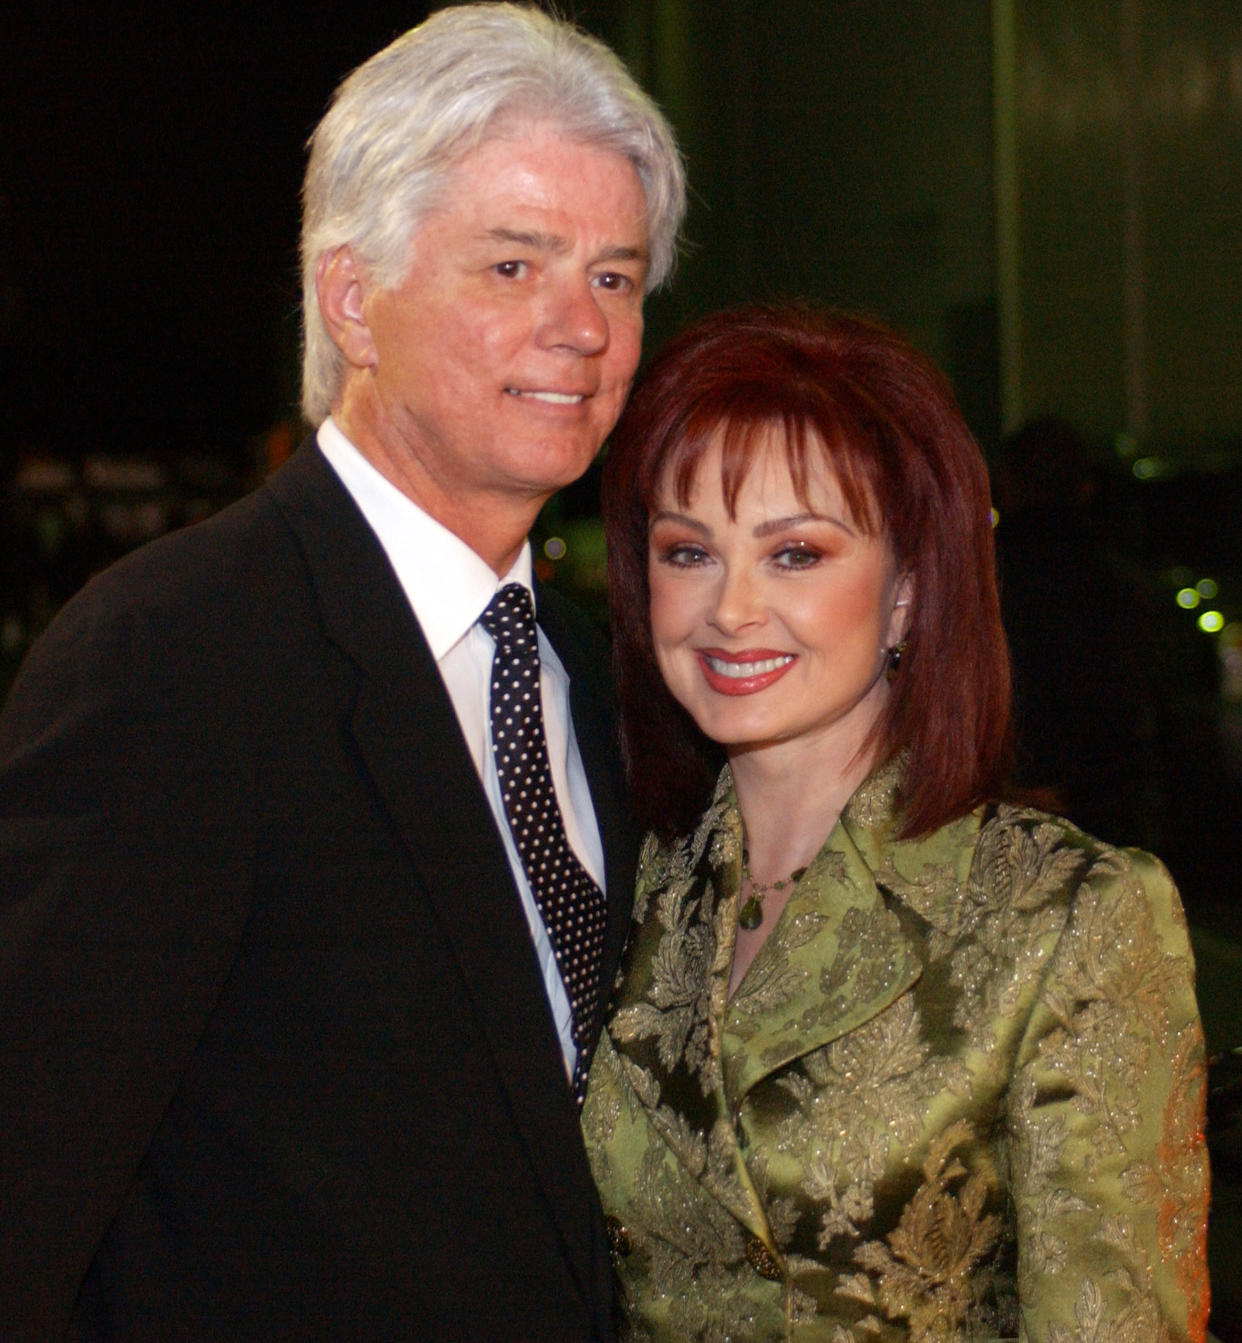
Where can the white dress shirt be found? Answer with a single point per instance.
(448, 587)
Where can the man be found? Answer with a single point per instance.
(290, 1037)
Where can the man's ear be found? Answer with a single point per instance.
(340, 285)
(903, 599)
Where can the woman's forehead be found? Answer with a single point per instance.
(730, 455)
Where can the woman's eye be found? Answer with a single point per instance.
(683, 556)
(797, 556)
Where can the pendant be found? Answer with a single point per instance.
(750, 916)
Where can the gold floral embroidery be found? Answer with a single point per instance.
(1094, 1323)
(1172, 1180)
(1006, 998)
(927, 1273)
(677, 1013)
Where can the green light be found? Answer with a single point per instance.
(1207, 588)
(1146, 468)
(1188, 599)
(1211, 622)
(554, 548)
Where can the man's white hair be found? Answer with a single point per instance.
(383, 153)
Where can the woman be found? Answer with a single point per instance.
(891, 1057)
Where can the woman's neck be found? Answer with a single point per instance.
(790, 795)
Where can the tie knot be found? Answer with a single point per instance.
(510, 618)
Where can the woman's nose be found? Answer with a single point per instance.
(739, 602)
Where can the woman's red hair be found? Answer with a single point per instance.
(908, 467)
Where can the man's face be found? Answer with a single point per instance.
(503, 358)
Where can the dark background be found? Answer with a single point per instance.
(149, 215)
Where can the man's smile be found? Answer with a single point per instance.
(551, 398)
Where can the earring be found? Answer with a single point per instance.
(894, 660)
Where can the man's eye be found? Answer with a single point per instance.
(511, 270)
(614, 281)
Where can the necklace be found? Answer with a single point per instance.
(750, 916)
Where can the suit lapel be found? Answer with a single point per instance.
(410, 745)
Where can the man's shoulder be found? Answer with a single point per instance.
(248, 545)
(181, 604)
(190, 570)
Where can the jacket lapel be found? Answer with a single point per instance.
(410, 745)
(836, 959)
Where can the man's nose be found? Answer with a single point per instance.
(574, 318)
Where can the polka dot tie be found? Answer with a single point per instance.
(571, 904)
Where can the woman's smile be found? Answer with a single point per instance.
(743, 673)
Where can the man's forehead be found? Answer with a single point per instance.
(538, 144)
(550, 226)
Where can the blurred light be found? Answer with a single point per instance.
(1207, 588)
(44, 475)
(555, 548)
(1188, 599)
(1211, 622)
(1180, 577)
(1146, 468)
(994, 515)
(1125, 445)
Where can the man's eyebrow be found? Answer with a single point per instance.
(553, 242)
(623, 253)
(544, 242)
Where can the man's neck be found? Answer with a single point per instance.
(494, 525)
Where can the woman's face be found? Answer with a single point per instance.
(772, 626)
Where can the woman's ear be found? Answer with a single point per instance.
(340, 285)
(899, 619)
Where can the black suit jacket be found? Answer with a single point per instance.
(276, 1059)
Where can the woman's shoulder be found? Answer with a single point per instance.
(1027, 854)
(1054, 834)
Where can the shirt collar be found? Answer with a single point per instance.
(447, 584)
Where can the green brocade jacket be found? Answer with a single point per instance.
(958, 1095)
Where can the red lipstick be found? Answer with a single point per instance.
(744, 673)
